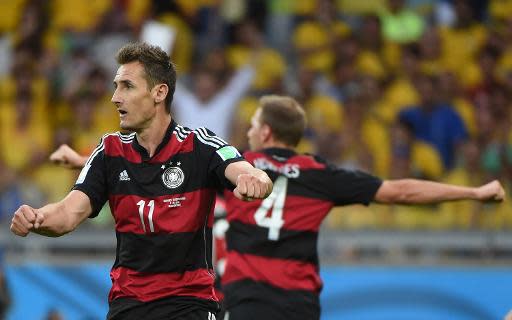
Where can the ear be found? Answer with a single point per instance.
(266, 133)
(160, 92)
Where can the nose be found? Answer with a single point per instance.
(116, 99)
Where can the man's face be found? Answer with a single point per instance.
(255, 134)
(132, 97)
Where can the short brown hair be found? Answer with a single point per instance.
(285, 117)
(157, 66)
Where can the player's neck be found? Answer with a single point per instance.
(277, 144)
(151, 137)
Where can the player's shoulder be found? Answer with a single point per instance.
(207, 138)
(310, 161)
(182, 133)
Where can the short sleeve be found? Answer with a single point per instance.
(92, 179)
(344, 187)
(220, 155)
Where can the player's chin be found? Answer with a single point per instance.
(125, 125)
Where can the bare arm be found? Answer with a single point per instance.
(251, 183)
(226, 100)
(55, 219)
(412, 191)
(68, 158)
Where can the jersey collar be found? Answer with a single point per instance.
(280, 152)
(167, 137)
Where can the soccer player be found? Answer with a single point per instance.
(160, 181)
(272, 269)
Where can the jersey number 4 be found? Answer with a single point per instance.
(275, 202)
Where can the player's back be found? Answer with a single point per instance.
(272, 243)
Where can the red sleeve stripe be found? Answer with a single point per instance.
(146, 287)
(284, 274)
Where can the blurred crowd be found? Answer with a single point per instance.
(399, 88)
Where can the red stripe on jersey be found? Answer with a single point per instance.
(172, 213)
(299, 213)
(115, 148)
(284, 274)
(173, 147)
(305, 162)
(127, 283)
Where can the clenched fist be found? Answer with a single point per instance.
(26, 219)
(253, 185)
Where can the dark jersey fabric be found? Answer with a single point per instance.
(163, 211)
(272, 244)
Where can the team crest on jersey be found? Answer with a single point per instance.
(173, 177)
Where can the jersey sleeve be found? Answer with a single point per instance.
(92, 179)
(346, 187)
(220, 155)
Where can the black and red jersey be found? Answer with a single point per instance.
(163, 211)
(272, 243)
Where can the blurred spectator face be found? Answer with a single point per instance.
(98, 83)
(23, 78)
(499, 104)
(487, 61)
(447, 84)
(410, 61)
(471, 154)
(84, 110)
(430, 44)
(425, 87)
(217, 62)
(370, 89)
(483, 116)
(206, 85)
(345, 72)
(395, 5)
(306, 78)
(23, 108)
(370, 31)
(325, 11)
(347, 49)
(249, 35)
(62, 136)
(464, 12)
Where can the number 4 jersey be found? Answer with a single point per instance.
(272, 244)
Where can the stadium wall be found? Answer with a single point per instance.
(350, 292)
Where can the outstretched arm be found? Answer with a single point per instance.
(68, 158)
(412, 191)
(251, 183)
(52, 220)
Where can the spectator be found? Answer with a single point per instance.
(435, 123)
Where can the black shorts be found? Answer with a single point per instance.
(175, 308)
(247, 300)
